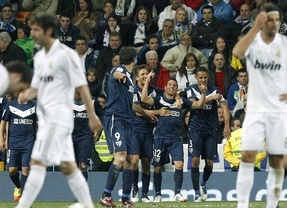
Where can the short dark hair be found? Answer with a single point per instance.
(243, 70)
(232, 121)
(269, 7)
(109, 2)
(81, 38)
(20, 67)
(65, 14)
(201, 69)
(172, 79)
(127, 55)
(207, 7)
(101, 95)
(116, 34)
(26, 29)
(6, 5)
(46, 21)
(151, 37)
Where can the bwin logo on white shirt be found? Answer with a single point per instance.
(271, 66)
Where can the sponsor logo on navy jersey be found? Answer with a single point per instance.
(23, 121)
(81, 115)
(269, 66)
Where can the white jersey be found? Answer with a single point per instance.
(57, 74)
(4, 80)
(267, 71)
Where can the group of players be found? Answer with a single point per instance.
(58, 72)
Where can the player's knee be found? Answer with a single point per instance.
(68, 167)
(25, 171)
(178, 165)
(83, 167)
(195, 162)
(158, 169)
(13, 170)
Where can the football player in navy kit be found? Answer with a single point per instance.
(167, 139)
(22, 121)
(203, 124)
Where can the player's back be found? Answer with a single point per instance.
(267, 71)
(120, 95)
(56, 75)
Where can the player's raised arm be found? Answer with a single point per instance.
(145, 98)
(241, 47)
(200, 103)
(94, 121)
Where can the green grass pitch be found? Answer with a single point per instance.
(212, 204)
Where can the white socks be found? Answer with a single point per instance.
(274, 184)
(33, 186)
(244, 183)
(80, 189)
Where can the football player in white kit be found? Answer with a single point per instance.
(15, 76)
(57, 73)
(266, 117)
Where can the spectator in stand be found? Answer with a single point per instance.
(232, 149)
(142, 26)
(113, 25)
(68, 32)
(194, 4)
(206, 30)
(259, 4)
(220, 46)
(222, 11)
(221, 75)
(93, 83)
(87, 55)
(185, 74)
(283, 6)
(125, 10)
(152, 44)
(38, 6)
(157, 6)
(237, 90)
(71, 6)
(169, 12)
(161, 74)
(115, 63)
(102, 100)
(236, 5)
(221, 125)
(103, 19)
(241, 111)
(98, 5)
(9, 51)
(240, 25)
(86, 20)
(26, 42)
(104, 62)
(8, 22)
(182, 25)
(173, 58)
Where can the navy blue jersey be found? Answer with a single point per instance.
(169, 126)
(81, 120)
(141, 124)
(120, 95)
(22, 124)
(207, 117)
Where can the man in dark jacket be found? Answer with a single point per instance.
(104, 62)
(10, 51)
(68, 32)
(205, 31)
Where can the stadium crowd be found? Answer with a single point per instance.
(172, 38)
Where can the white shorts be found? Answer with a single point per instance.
(53, 144)
(271, 127)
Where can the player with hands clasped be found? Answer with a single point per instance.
(266, 111)
(203, 124)
(167, 139)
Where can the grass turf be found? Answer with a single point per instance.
(212, 204)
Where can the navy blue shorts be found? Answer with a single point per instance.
(203, 143)
(163, 147)
(20, 157)
(83, 150)
(118, 134)
(142, 144)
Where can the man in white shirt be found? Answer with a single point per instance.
(266, 110)
(57, 73)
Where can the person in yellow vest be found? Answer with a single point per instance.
(232, 149)
(102, 158)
